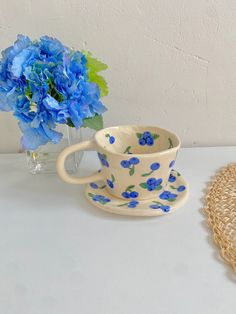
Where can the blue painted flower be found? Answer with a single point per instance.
(44, 83)
(164, 208)
(129, 192)
(133, 204)
(146, 135)
(147, 138)
(172, 178)
(181, 188)
(166, 195)
(149, 141)
(93, 185)
(142, 141)
(103, 159)
(172, 163)
(111, 140)
(126, 194)
(125, 163)
(155, 166)
(152, 184)
(134, 194)
(101, 199)
(110, 184)
(134, 161)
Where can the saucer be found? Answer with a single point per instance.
(173, 197)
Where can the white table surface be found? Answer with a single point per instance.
(61, 255)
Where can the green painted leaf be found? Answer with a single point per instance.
(122, 204)
(158, 203)
(131, 172)
(112, 178)
(107, 135)
(95, 123)
(130, 187)
(155, 136)
(143, 185)
(170, 143)
(159, 187)
(139, 135)
(171, 199)
(90, 194)
(127, 150)
(102, 202)
(173, 187)
(147, 174)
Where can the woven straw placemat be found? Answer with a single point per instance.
(220, 207)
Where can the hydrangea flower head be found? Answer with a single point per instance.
(45, 83)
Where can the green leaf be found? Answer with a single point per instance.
(95, 123)
(112, 178)
(143, 185)
(139, 135)
(158, 188)
(100, 81)
(170, 143)
(122, 204)
(107, 135)
(94, 66)
(127, 150)
(147, 174)
(155, 136)
(131, 172)
(28, 92)
(90, 194)
(102, 187)
(70, 123)
(102, 202)
(171, 199)
(130, 187)
(173, 187)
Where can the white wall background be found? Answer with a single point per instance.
(171, 63)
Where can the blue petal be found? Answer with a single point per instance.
(21, 60)
(53, 136)
(31, 138)
(51, 103)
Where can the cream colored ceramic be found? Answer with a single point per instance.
(136, 160)
(174, 196)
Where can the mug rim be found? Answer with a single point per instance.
(163, 152)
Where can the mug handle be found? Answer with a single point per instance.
(86, 145)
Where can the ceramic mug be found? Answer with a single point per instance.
(136, 160)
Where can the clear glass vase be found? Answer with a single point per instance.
(43, 160)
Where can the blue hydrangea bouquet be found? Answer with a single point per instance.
(45, 83)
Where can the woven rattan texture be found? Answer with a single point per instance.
(220, 207)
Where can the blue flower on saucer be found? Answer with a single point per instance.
(99, 198)
(167, 195)
(172, 178)
(152, 184)
(164, 208)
